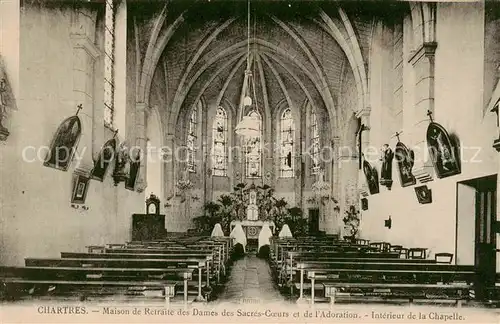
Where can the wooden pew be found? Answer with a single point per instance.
(390, 291)
(77, 276)
(10, 284)
(348, 275)
(288, 265)
(196, 263)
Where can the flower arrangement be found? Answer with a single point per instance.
(351, 221)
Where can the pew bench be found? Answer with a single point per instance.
(372, 272)
(12, 287)
(202, 264)
(410, 292)
(287, 266)
(180, 276)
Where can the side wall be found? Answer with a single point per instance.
(458, 106)
(37, 218)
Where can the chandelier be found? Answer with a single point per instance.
(249, 126)
(321, 188)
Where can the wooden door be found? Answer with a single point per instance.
(485, 237)
(313, 221)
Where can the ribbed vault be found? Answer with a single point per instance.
(299, 53)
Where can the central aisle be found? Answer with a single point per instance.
(250, 281)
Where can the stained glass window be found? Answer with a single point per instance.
(109, 61)
(253, 159)
(219, 143)
(287, 137)
(314, 141)
(192, 137)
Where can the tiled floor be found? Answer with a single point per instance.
(250, 281)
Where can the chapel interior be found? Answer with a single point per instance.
(325, 151)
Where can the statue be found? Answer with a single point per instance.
(386, 170)
(252, 209)
(122, 164)
(3, 104)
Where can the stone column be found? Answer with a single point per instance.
(335, 184)
(120, 68)
(496, 145)
(423, 65)
(85, 54)
(141, 143)
(168, 167)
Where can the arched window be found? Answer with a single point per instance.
(314, 141)
(109, 62)
(219, 143)
(287, 137)
(253, 159)
(192, 141)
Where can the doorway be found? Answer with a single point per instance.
(313, 221)
(485, 206)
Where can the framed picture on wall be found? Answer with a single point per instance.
(364, 204)
(80, 188)
(424, 194)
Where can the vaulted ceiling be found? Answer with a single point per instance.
(299, 50)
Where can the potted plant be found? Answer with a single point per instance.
(351, 222)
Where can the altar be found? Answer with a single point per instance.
(252, 225)
(252, 228)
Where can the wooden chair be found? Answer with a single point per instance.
(362, 242)
(417, 253)
(443, 257)
(396, 248)
(381, 246)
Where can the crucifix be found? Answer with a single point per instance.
(397, 136)
(80, 107)
(429, 114)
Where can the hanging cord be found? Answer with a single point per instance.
(255, 62)
(248, 36)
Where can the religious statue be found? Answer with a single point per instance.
(252, 209)
(122, 164)
(386, 170)
(3, 103)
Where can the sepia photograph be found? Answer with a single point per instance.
(225, 161)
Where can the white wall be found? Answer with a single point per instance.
(37, 217)
(458, 107)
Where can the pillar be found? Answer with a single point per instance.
(141, 143)
(423, 64)
(85, 54)
(496, 145)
